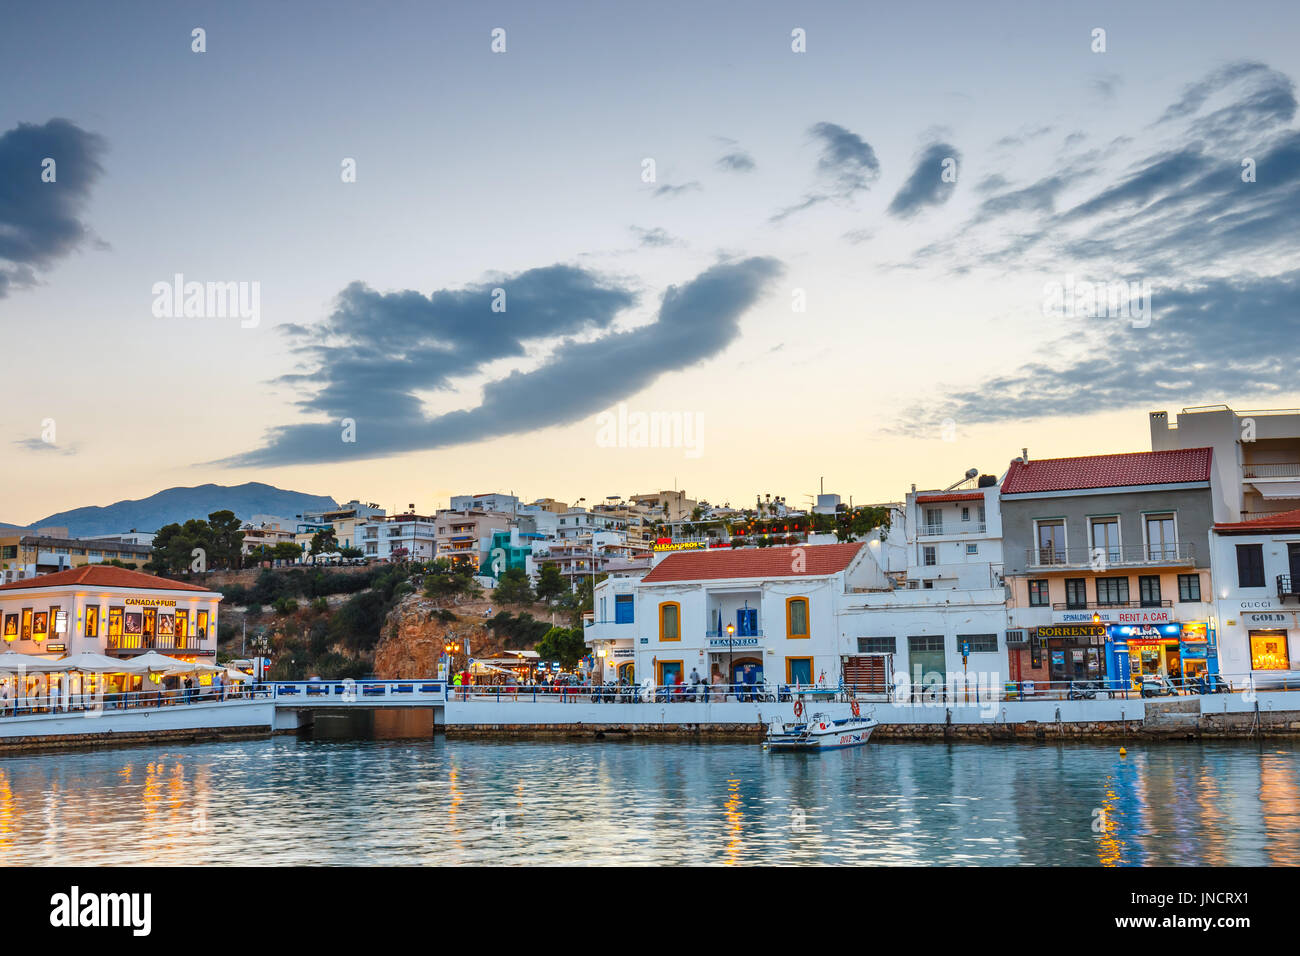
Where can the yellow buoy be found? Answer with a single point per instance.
(1123, 752)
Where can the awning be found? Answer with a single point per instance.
(1277, 489)
(92, 664)
(11, 662)
(155, 663)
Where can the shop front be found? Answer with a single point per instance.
(736, 659)
(1074, 652)
(1174, 650)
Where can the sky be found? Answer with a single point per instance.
(481, 246)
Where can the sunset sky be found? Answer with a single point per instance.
(781, 179)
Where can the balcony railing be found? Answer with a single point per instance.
(1288, 586)
(1101, 559)
(1286, 469)
(1108, 605)
(957, 527)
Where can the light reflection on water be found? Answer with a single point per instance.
(299, 801)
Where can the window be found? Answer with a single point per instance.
(877, 645)
(965, 514)
(934, 521)
(1149, 590)
(1268, 651)
(796, 617)
(623, 609)
(1076, 593)
(1250, 565)
(1105, 539)
(1051, 542)
(983, 514)
(1112, 590)
(972, 549)
(928, 585)
(1038, 593)
(670, 621)
(92, 621)
(925, 644)
(1161, 544)
(928, 556)
(1189, 587)
(979, 643)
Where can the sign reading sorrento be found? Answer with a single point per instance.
(682, 546)
(151, 602)
(733, 642)
(1150, 615)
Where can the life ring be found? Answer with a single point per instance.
(854, 707)
(798, 708)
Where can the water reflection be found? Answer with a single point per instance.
(300, 801)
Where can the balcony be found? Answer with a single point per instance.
(958, 527)
(1288, 469)
(1103, 559)
(1109, 605)
(1288, 586)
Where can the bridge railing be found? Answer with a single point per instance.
(350, 691)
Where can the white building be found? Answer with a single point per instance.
(493, 501)
(954, 538)
(408, 537)
(1256, 455)
(1255, 568)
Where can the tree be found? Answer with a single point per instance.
(286, 551)
(443, 581)
(550, 583)
(563, 644)
(324, 542)
(226, 540)
(512, 587)
(350, 552)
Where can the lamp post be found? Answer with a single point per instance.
(731, 667)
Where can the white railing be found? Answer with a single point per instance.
(59, 702)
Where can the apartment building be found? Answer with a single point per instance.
(1107, 566)
(25, 555)
(954, 536)
(464, 537)
(666, 505)
(1256, 455)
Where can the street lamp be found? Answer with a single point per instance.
(731, 667)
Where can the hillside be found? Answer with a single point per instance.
(181, 504)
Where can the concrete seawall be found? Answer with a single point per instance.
(239, 719)
(1224, 716)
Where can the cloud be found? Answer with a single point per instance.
(695, 322)
(847, 166)
(926, 186)
(655, 237)
(40, 222)
(737, 161)
(1106, 84)
(672, 192)
(38, 444)
(1212, 338)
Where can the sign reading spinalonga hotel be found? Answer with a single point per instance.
(103, 609)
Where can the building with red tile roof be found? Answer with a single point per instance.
(1132, 469)
(101, 576)
(781, 562)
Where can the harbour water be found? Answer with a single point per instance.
(532, 802)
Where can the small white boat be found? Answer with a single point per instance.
(819, 732)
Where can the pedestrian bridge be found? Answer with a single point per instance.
(357, 693)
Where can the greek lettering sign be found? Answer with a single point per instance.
(733, 643)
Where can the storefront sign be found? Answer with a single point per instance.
(1275, 619)
(1144, 632)
(1151, 615)
(621, 652)
(151, 602)
(683, 546)
(1071, 630)
(56, 647)
(733, 642)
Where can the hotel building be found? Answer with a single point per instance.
(1106, 565)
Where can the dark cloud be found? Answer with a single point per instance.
(1106, 84)
(38, 444)
(695, 322)
(1025, 135)
(847, 166)
(1219, 337)
(926, 186)
(40, 222)
(737, 161)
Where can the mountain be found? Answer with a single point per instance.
(180, 504)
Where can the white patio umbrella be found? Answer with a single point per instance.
(92, 664)
(196, 668)
(237, 675)
(11, 662)
(156, 663)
